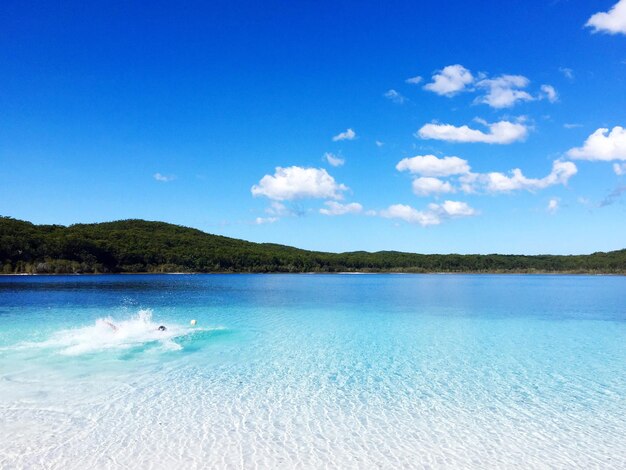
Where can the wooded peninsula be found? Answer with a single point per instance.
(139, 246)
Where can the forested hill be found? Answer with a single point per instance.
(133, 246)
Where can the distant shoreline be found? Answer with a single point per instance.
(145, 247)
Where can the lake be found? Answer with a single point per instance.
(313, 371)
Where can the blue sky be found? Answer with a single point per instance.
(297, 122)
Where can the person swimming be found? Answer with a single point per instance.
(116, 328)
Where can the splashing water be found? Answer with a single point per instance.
(108, 333)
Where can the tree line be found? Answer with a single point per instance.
(139, 246)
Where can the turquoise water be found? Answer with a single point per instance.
(313, 371)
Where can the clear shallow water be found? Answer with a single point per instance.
(313, 371)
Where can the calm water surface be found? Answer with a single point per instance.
(313, 371)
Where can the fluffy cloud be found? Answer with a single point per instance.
(431, 168)
(411, 215)
(453, 209)
(434, 215)
(499, 92)
(429, 165)
(163, 178)
(336, 208)
(619, 168)
(451, 80)
(349, 134)
(297, 183)
(394, 96)
(414, 80)
(426, 186)
(502, 132)
(549, 93)
(496, 182)
(553, 205)
(602, 145)
(333, 160)
(611, 22)
(504, 91)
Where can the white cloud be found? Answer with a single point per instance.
(496, 182)
(429, 165)
(567, 72)
(163, 178)
(549, 92)
(379, 143)
(333, 160)
(426, 186)
(451, 80)
(611, 22)
(502, 132)
(553, 205)
(414, 80)
(602, 145)
(349, 134)
(265, 220)
(619, 169)
(411, 215)
(434, 215)
(430, 168)
(394, 96)
(504, 91)
(336, 208)
(297, 183)
(572, 125)
(453, 209)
